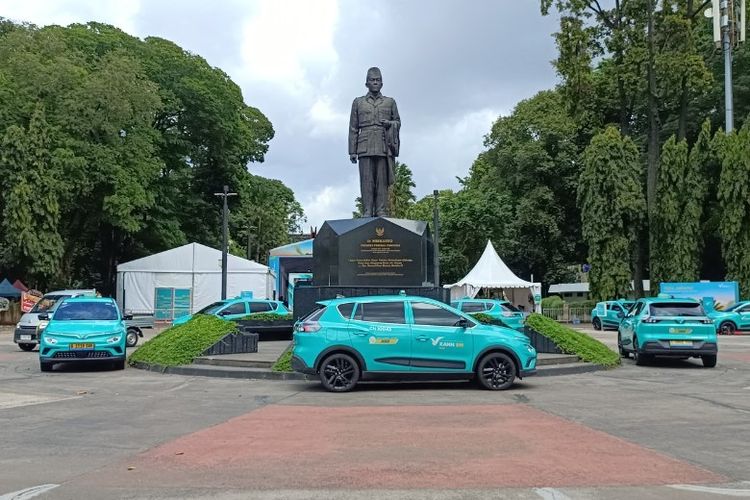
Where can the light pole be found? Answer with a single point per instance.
(225, 236)
(436, 236)
(729, 22)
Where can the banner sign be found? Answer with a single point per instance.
(4, 304)
(29, 299)
(723, 293)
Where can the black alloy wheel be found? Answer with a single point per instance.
(597, 324)
(339, 373)
(131, 337)
(623, 352)
(640, 358)
(727, 328)
(709, 360)
(27, 347)
(496, 371)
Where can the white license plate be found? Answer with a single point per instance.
(25, 337)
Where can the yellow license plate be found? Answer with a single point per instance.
(81, 346)
(680, 330)
(680, 342)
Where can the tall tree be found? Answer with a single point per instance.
(610, 195)
(401, 195)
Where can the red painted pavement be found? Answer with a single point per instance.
(405, 447)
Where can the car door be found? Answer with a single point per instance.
(235, 310)
(379, 332)
(438, 344)
(627, 326)
(744, 321)
(614, 314)
(258, 307)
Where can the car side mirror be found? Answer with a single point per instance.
(462, 323)
(620, 315)
(43, 317)
(127, 317)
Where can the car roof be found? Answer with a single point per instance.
(71, 292)
(499, 301)
(246, 299)
(377, 298)
(86, 298)
(668, 300)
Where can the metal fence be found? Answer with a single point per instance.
(567, 314)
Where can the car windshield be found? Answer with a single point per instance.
(211, 309)
(734, 307)
(82, 311)
(510, 307)
(47, 303)
(676, 309)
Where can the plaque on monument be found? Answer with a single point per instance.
(373, 251)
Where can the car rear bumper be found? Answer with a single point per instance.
(19, 332)
(299, 365)
(663, 348)
(527, 373)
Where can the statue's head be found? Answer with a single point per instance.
(374, 80)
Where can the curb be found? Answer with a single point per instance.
(262, 374)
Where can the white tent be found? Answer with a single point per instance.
(492, 273)
(186, 279)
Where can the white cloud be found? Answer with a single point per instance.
(332, 202)
(119, 13)
(326, 120)
(284, 41)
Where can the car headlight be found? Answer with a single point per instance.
(18, 325)
(50, 340)
(530, 348)
(114, 339)
(42, 325)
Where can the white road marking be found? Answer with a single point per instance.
(548, 494)
(710, 489)
(14, 400)
(29, 492)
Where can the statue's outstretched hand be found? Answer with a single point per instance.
(385, 123)
(353, 158)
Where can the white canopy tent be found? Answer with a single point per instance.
(491, 272)
(193, 274)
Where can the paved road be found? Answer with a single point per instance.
(672, 430)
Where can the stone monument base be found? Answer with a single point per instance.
(306, 296)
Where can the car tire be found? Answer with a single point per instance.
(597, 324)
(45, 366)
(727, 328)
(131, 337)
(709, 360)
(339, 372)
(27, 347)
(118, 365)
(623, 352)
(640, 359)
(496, 371)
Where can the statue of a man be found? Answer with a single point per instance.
(374, 140)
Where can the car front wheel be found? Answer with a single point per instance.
(45, 366)
(339, 373)
(131, 338)
(622, 350)
(597, 324)
(709, 361)
(27, 347)
(496, 371)
(727, 328)
(640, 359)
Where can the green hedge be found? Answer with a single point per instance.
(488, 320)
(552, 302)
(181, 344)
(265, 317)
(573, 342)
(284, 363)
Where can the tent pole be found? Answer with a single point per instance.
(436, 237)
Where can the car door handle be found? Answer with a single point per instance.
(423, 338)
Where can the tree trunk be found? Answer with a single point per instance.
(652, 172)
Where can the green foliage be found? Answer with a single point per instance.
(265, 317)
(552, 302)
(610, 195)
(181, 344)
(488, 320)
(573, 342)
(284, 363)
(734, 193)
(401, 196)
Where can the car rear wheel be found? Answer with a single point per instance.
(27, 347)
(640, 359)
(131, 338)
(709, 361)
(496, 371)
(45, 366)
(339, 373)
(597, 324)
(622, 350)
(727, 328)
(119, 364)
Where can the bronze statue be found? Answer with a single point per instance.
(374, 140)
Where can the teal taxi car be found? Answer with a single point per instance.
(735, 318)
(498, 309)
(668, 327)
(400, 337)
(609, 313)
(232, 309)
(83, 329)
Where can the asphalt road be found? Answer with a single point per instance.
(671, 430)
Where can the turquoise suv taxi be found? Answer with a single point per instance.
(668, 327)
(401, 337)
(232, 309)
(498, 309)
(609, 313)
(731, 320)
(83, 329)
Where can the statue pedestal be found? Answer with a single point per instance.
(370, 256)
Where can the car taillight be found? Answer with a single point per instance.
(310, 327)
(649, 320)
(707, 321)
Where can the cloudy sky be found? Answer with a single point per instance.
(453, 67)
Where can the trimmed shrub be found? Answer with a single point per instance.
(573, 342)
(181, 344)
(265, 317)
(552, 302)
(284, 363)
(488, 320)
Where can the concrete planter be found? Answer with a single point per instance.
(540, 342)
(234, 343)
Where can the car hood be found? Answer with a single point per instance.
(719, 314)
(499, 330)
(29, 319)
(83, 327)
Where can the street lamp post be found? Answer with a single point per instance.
(225, 237)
